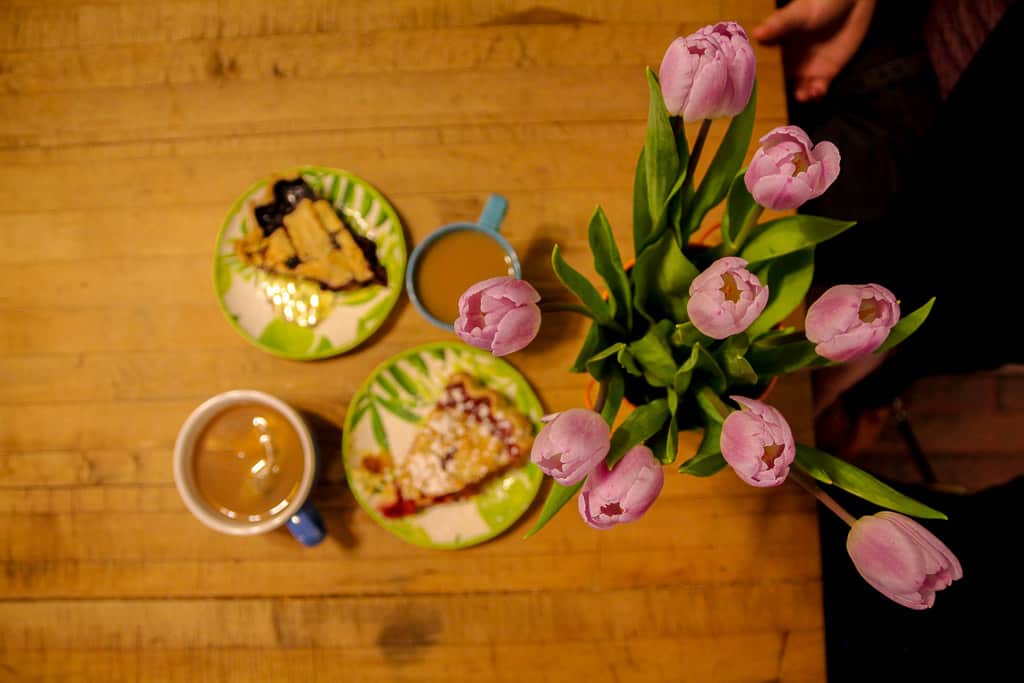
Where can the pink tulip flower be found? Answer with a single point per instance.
(708, 74)
(849, 321)
(726, 298)
(623, 494)
(901, 559)
(500, 315)
(786, 171)
(571, 445)
(757, 443)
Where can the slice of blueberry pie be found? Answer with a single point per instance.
(301, 235)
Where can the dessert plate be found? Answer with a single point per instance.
(401, 399)
(298, 317)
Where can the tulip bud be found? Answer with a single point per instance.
(572, 444)
(901, 559)
(849, 321)
(757, 443)
(786, 171)
(726, 298)
(708, 74)
(623, 494)
(500, 315)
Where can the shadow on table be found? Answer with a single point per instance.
(332, 496)
(536, 263)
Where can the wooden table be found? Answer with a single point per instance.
(126, 130)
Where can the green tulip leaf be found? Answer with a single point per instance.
(628, 363)
(653, 354)
(739, 208)
(780, 359)
(673, 217)
(608, 264)
(739, 370)
(558, 496)
(581, 287)
(671, 440)
(710, 442)
(607, 352)
(736, 345)
(700, 359)
(642, 424)
(727, 162)
(778, 335)
(592, 343)
(710, 368)
(906, 326)
(665, 444)
(613, 399)
(684, 374)
(642, 225)
(600, 364)
(831, 470)
(791, 233)
(703, 465)
(730, 357)
(687, 334)
(661, 157)
(662, 277)
(711, 405)
(788, 278)
(708, 460)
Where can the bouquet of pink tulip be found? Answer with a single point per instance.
(690, 336)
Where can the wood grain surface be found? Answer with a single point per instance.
(126, 131)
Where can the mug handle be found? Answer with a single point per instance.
(307, 526)
(493, 213)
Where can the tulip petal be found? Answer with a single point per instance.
(709, 73)
(927, 539)
(480, 287)
(709, 309)
(746, 434)
(834, 324)
(827, 154)
(786, 170)
(676, 75)
(624, 493)
(571, 445)
(901, 559)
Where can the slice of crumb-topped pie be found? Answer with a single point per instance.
(471, 434)
(301, 235)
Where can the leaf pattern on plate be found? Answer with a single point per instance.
(355, 315)
(397, 396)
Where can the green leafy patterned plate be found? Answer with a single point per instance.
(385, 415)
(252, 300)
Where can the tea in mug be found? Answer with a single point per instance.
(451, 264)
(248, 462)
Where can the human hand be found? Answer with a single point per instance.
(819, 37)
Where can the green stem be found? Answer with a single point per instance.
(819, 493)
(677, 125)
(748, 225)
(561, 307)
(698, 147)
(712, 404)
(602, 395)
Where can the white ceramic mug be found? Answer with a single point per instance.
(302, 518)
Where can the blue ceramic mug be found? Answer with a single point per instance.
(489, 224)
